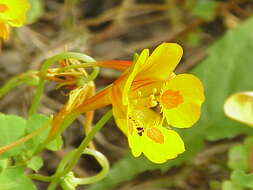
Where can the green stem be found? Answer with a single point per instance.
(28, 78)
(53, 184)
(43, 71)
(85, 143)
(102, 160)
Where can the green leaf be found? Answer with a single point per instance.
(204, 9)
(227, 69)
(11, 129)
(248, 143)
(14, 178)
(35, 12)
(55, 144)
(35, 163)
(238, 158)
(33, 123)
(228, 185)
(3, 164)
(241, 178)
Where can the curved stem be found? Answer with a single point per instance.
(85, 143)
(28, 77)
(43, 71)
(102, 160)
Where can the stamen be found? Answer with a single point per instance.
(152, 97)
(139, 93)
(154, 90)
(153, 103)
(135, 102)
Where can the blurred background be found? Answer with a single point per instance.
(116, 29)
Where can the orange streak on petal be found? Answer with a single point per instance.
(142, 84)
(155, 135)
(171, 99)
(3, 8)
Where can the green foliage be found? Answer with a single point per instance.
(3, 164)
(238, 162)
(35, 11)
(14, 178)
(238, 158)
(228, 185)
(227, 69)
(242, 179)
(204, 9)
(35, 163)
(11, 129)
(33, 123)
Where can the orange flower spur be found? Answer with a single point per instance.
(148, 92)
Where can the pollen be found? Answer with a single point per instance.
(155, 135)
(3, 8)
(171, 99)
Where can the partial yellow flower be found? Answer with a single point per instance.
(147, 135)
(181, 100)
(239, 107)
(12, 13)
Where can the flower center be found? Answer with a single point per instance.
(146, 101)
(3, 8)
(171, 99)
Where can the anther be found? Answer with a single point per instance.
(154, 90)
(135, 102)
(153, 103)
(139, 93)
(152, 97)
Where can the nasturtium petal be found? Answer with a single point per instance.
(15, 13)
(139, 118)
(135, 142)
(133, 72)
(118, 109)
(187, 112)
(161, 62)
(239, 107)
(4, 31)
(159, 152)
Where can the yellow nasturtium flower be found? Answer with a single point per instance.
(151, 84)
(12, 13)
(239, 106)
(145, 89)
